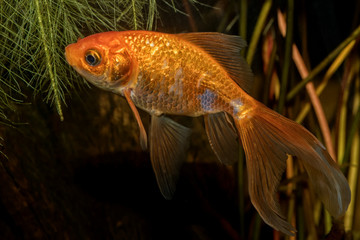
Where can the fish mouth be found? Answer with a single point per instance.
(69, 52)
(67, 55)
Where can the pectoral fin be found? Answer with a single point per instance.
(143, 136)
(222, 137)
(168, 143)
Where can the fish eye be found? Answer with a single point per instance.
(92, 57)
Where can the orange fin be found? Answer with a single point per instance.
(222, 137)
(143, 136)
(168, 144)
(225, 49)
(267, 137)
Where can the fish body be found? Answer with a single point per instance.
(172, 77)
(198, 74)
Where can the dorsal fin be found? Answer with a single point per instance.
(225, 49)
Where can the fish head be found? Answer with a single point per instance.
(103, 59)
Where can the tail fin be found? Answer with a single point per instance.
(267, 138)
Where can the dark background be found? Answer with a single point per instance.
(87, 178)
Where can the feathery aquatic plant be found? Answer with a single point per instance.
(34, 33)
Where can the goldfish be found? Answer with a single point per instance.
(203, 74)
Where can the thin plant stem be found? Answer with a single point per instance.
(270, 72)
(190, 15)
(241, 192)
(243, 19)
(355, 125)
(342, 156)
(257, 227)
(352, 178)
(134, 14)
(299, 62)
(287, 55)
(327, 220)
(290, 173)
(257, 31)
(300, 225)
(308, 214)
(352, 133)
(324, 126)
(354, 35)
(44, 37)
(352, 149)
(330, 72)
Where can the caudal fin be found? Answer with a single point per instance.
(267, 138)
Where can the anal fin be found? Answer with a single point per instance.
(222, 137)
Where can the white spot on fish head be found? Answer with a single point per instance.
(207, 100)
(152, 44)
(147, 42)
(167, 43)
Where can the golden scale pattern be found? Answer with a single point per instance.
(176, 78)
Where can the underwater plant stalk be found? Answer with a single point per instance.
(308, 214)
(343, 113)
(287, 55)
(269, 73)
(190, 15)
(299, 62)
(54, 83)
(243, 18)
(355, 69)
(300, 226)
(352, 133)
(354, 35)
(241, 188)
(257, 31)
(134, 14)
(151, 14)
(257, 226)
(290, 173)
(353, 142)
(329, 73)
(352, 178)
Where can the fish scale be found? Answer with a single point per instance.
(167, 78)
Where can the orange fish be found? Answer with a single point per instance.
(196, 74)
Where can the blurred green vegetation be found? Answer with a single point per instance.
(60, 177)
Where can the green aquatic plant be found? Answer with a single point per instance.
(34, 33)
